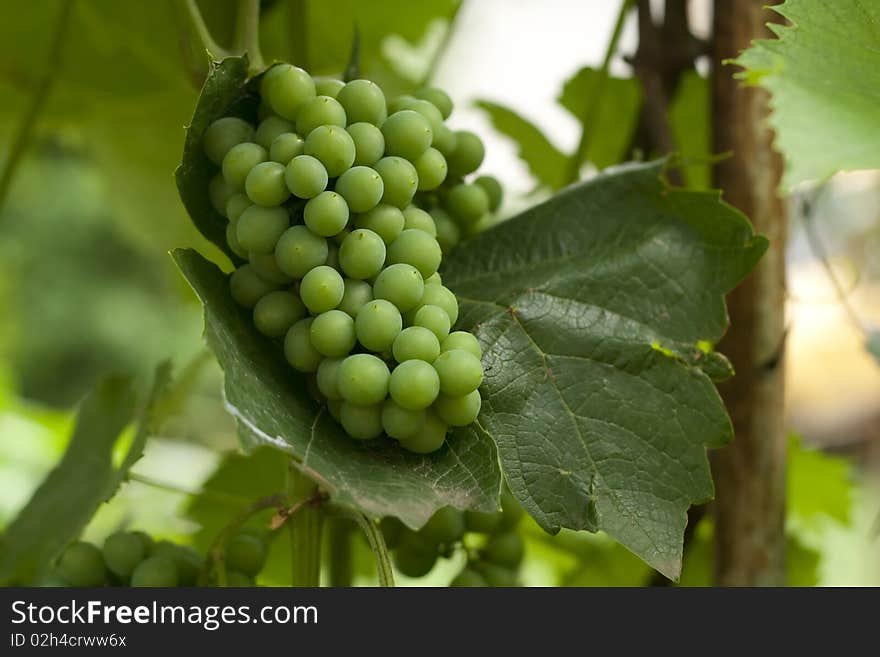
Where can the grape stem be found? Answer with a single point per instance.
(375, 539)
(305, 527)
(247, 33)
(200, 29)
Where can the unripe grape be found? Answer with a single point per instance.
(232, 240)
(240, 160)
(267, 268)
(265, 184)
(401, 284)
(333, 146)
(433, 318)
(320, 111)
(258, 229)
(431, 168)
(145, 539)
(511, 511)
(287, 88)
(459, 411)
(276, 312)
(416, 343)
(444, 527)
(82, 564)
(401, 102)
(440, 295)
(481, 522)
(400, 422)
(505, 549)
(219, 193)
(436, 97)
(363, 101)
(414, 384)
(327, 381)
(414, 561)
(498, 576)
(416, 248)
(236, 204)
(430, 438)
(236, 579)
(407, 134)
(467, 203)
(155, 572)
(468, 154)
(462, 340)
(361, 187)
(270, 128)
(334, 407)
(417, 219)
(445, 141)
(448, 232)
(393, 530)
(245, 553)
(305, 176)
(321, 289)
(377, 324)
(356, 294)
(493, 190)
(363, 379)
(247, 288)
(332, 333)
(460, 372)
(223, 134)
(434, 279)
(299, 251)
(328, 86)
(385, 220)
(400, 180)
(285, 147)
(298, 349)
(362, 254)
(468, 578)
(369, 143)
(326, 214)
(361, 422)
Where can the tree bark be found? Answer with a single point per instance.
(749, 475)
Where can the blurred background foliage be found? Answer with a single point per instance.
(87, 287)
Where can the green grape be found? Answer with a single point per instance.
(155, 571)
(236, 204)
(400, 180)
(511, 511)
(219, 193)
(445, 141)
(327, 381)
(505, 549)
(287, 88)
(232, 240)
(469, 577)
(321, 289)
(413, 557)
(467, 203)
(334, 406)
(448, 232)
(247, 287)
(362, 254)
(431, 168)
(245, 553)
(433, 318)
(320, 111)
(340, 237)
(298, 349)
(459, 411)
(267, 268)
(497, 575)
(363, 101)
(377, 323)
(122, 552)
(333, 333)
(393, 530)
(407, 134)
(236, 579)
(363, 379)
(416, 248)
(328, 86)
(444, 527)
(361, 187)
(240, 160)
(431, 436)
(468, 154)
(369, 143)
(493, 190)
(305, 176)
(265, 184)
(400, 422)
(82, 564)
(270, 128)
(415, 343)
(299, 251)
(402, 102)
(326, 214)
(361, 422)
(276, 312)
(414, 384)
(285, 147)
(145, 539)
(438, 98)
(189, 564)
(460, 372)
(356, 294)
(462, 340)
(434, 279)
(417, 219)
(333, 146)
(481, 522)
(440, 295)
(401, 284)
(385, 220)
(223, 134)
(258, 229)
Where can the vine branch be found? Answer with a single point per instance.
(377, 543)
(201, 31)
(247, 33)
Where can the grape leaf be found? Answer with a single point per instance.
(272, 405)
(691, 126)
(823, 72)
(589, 308)
(84, 478)
(818, 485)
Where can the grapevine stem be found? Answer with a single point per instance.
(339, 552)
(198, 26)
(305, 528)
(377, 543)
(247, 33)
(38, 101)
(588, 118)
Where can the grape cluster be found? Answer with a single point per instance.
(493, 548)
(133, 558)
(343, 205)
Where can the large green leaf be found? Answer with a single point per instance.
(819, 485)
(85, 477)
(273, 407)
(824, 73)
(691, 125)
(589, 308)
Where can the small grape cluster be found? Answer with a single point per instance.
(133, 558)
(493, 547)
(343, 204)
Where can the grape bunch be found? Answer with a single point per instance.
(133, 558)
(491, 544)
(343, 205)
